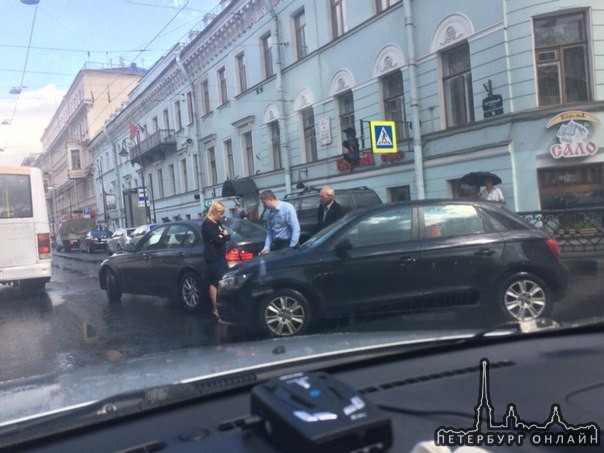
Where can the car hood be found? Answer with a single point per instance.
(30, 398)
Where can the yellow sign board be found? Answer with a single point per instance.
(383, 136)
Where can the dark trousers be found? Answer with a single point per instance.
(278, 244)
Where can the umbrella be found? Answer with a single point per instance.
(476, 178)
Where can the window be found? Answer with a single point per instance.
(581, 186)
(190, 107)
(178, 115)
(184, 175)
(222, 85)
(76, 163)
(337, 18)
(561, 58)
(155, 124)
(212, 166)
(390, 227)
(394, 102)
(172, 174)
(381, 5)
(275, 144)
(300, 34)
(310, 138)
(346, 110)
(267, 55)
(249, 152)
(240, 60)
(152, 241)
(160, 183)
(228, 152)
(16, 199)
(452, 220)
(205, 97)
(166, 119)
(457, 81)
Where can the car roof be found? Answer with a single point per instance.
(314, 191)
(489, 205)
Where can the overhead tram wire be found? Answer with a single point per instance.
(31, 34)
(139, 53)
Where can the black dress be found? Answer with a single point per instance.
(214, 250)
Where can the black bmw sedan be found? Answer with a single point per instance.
(168, 262)
(429, 254)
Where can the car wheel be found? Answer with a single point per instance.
(189, 291)
(285, 313)
(524, 297)
(112, 287)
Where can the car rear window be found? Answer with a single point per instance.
(366, 199)
(509, 222)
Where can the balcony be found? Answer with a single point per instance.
(79, 173)
(154, 147)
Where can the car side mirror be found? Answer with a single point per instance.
(342, 247)
(130, 247)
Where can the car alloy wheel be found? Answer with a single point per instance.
(189, 291)
(112, 287)
(525, 297)
(285, 313)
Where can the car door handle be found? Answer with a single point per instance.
(485, 252)
(146, 256)
(405, 260)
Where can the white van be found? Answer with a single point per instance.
(25, 254)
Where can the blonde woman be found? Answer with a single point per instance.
(215, 237)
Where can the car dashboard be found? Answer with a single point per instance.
(520, 393)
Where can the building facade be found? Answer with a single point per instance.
(269, 90)
(71, 177)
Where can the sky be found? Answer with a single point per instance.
(44, 46)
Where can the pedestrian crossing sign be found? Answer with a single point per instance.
(383, 136)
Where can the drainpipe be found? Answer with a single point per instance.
(417, 136)
(118, 178)
(197, 134)
(284, 145)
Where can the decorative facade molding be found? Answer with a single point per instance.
(452, 29)
(271, 113)
(391, 57)
(304, 99)
(342, 81)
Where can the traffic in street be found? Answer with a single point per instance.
(72, 324)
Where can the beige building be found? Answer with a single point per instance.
(71, 176)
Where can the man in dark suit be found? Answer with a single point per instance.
(329, 209)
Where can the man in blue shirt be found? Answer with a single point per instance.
(282, 227)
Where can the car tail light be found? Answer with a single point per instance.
(43, 245)
(552, 244)
(238, 255)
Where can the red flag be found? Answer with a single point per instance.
(133, 130)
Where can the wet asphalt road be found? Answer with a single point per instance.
(71, 324)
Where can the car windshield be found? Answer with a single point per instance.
(215, 193)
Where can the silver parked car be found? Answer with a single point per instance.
(118, 240)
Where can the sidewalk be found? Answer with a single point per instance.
(584, 262)
(81, 256)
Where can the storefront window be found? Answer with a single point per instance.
(572, 187)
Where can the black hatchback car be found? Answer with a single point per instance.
(397, 257)
(168, 261)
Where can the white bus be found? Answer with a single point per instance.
(25, 251)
